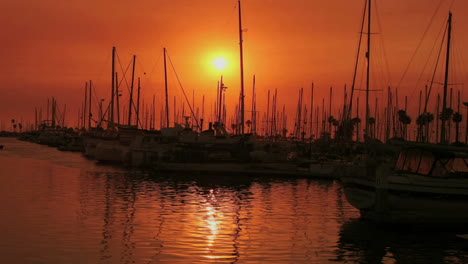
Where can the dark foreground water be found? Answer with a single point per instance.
(58, 207)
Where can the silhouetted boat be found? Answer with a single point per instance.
(427, 184)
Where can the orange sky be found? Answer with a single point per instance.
(51, 48)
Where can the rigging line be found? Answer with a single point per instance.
(377, 80)
(434, 73)
(461, 59)
(156, 63)
(451, 4)
(420, 43)
(140, 64)
(104, 67)
(183, 91)
(233, 12)
(383, 44)
(229, 20)
(458, 54)
(95, 95)
(356, 65)
(444, 26)
(222, 26)
(124, 74)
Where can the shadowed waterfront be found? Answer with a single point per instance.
(62, 208)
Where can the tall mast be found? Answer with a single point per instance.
(220, 102)
(447, 63)
(311, 110)
(117, 96)
(90, 115)
(368, 55)
(165, 86)
(138, 103)
(351, 98)
(253, 130)
(130, 104)
(113, 88)
(268, 114)
(241, 49)
(85, 105)
(47, 112)
(330, 111)
(154, 113)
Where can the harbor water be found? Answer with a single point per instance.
(59, 207)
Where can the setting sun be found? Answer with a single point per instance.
(220, 63)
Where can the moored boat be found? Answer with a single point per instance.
(428, 183)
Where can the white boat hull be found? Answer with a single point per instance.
(409, 198)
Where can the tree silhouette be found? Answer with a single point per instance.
(457, 118)
(423, 123)
(405, 120)
(446, 115)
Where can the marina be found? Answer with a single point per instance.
(174, 160)
(63, 207)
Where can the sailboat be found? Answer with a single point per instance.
(426, 183)
(216, 151)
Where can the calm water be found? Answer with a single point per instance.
(61, 208)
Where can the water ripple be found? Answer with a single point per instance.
(62, 208)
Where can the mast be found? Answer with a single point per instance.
(154, 113)
(444, 99)
(330, 111)
(85, 105)
(165, 86)
(254, 112)
(311, 109)
(350, 107)
(273, 114)
(138, 103)
(90, 115)
(368, 55)
(130, 104)
(268, 114)
(113, 88)
(241, 68)
(47, 112)
(117, 96)
(202, 113)
(220, 102)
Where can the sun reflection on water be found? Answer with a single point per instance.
(211, 220)
(77, 210)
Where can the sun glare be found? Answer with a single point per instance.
(220, 63)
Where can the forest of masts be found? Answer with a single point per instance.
(438, 122)
(325, 119)
(312, 120)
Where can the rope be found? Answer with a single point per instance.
(183, 91)
(356, 65)
(435, 70)
(124, 74)
(384, 50)
(156, 63)
(428, 58)
(419, 44)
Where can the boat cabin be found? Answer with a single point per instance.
(432, 162)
